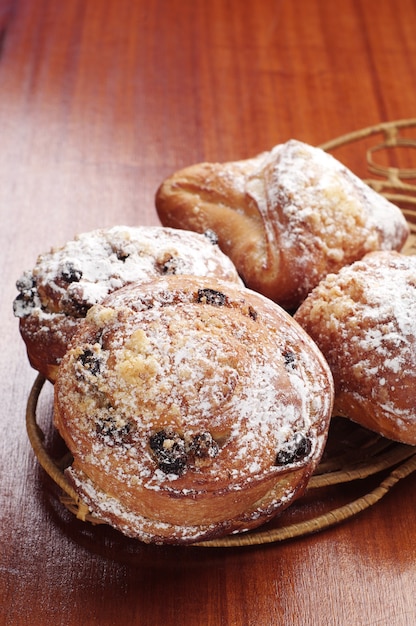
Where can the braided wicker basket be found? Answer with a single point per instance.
(353, 454)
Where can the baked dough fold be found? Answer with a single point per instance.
(286, 218)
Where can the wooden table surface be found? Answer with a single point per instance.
(100, 100)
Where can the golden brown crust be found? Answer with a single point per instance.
(364, 321)
(193, 408)
(56, 295)
(286, 218)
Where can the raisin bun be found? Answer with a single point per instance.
(286, 217)
(364, 321)
(67, 281)
(192, 407)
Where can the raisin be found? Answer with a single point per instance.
(75, 304)
(81, 308)
(113, 432)
(211, 296)
(252, 313)
(26, 282)
(170, 451)
(23, 303)
(156, 440)
(290, 358)
(90, 361)
(119, 251)
(170, 266)
(303, 445)
(122, 256)
(295, 450)
(70, 273)
(174, 454)
(28, 297)
(212, 236)
(203, 446)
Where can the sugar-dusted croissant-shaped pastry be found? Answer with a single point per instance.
(193, 408)
(286, 218)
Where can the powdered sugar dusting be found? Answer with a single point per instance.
(314, 189)
(316, 214)
(364, 320)
(320, 197)
(239, 371)
(84, 271)
(67, 281)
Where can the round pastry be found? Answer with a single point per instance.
(286, 217)
(364, 321)
(193, 408)
(67, 281)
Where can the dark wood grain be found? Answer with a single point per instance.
(99, 101)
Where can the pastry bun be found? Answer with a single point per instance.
(193, 408)
(67, 281)
(364, 321)
(286, 217)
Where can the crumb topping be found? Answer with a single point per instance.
(192, 395)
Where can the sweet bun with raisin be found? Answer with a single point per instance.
(67, 281)
(193, 408)
(286, 217)
(364, 321)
